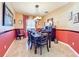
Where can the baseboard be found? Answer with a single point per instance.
(70, 48)
(9, 48)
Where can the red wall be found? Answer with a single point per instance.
(69, 37)
(24, 23)
(7, 38)
(62, 36)
(5, 41)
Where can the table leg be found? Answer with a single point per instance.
(35, 50)
(49, 40)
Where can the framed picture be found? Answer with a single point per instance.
(70, 16)
(7, 16)
(76, 18)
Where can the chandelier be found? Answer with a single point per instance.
(37, 12)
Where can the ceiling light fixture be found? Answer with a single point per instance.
(37, 12)
(37, 6)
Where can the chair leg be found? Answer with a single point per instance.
(35, 49)
(20, 38)
(31, 46)
(47, 48)
(40, 50)
(49, 42)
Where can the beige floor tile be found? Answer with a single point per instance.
(18, 49)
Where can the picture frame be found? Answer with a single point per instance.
(7, 16)
(70, 16)
(76, 18)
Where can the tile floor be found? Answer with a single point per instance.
(18, 49)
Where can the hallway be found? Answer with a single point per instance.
(18, 49)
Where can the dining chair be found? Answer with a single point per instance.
(38, 42)
(31, 40)
(43, 41)
(19, 34)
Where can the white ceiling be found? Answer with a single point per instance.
(28, 8)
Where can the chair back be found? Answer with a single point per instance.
(17, 32)
(42, 40)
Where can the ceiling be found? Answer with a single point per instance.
(28, 8)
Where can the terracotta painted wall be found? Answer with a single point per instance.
(61, 37)
(61, 20)
(6, 40)
(18, 20)
(69, 37)
(73, 40)
(24, 23)
(20, 17)
(8, 37)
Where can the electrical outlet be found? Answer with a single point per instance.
(4, 46)
(73, 43)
